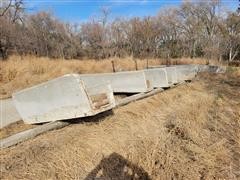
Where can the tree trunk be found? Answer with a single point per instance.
(230, 55)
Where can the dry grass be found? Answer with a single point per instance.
(18, 73)
(14, 128)
(233, 71)
(190, 132)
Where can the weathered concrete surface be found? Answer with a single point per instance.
(8, 113)
(157, 77)
(101, 97)
(186, 72)
(59, 99)
(121, 82)
(172, 75)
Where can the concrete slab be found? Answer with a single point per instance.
(8, 113)
(62, 98)
(157, 77)
(121, 82)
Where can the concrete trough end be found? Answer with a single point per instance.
(60, 99)
(157, 77)
(101, 98)
(8, 113)
(172, 75)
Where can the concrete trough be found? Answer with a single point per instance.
(211, 69)
(121, 82)
(172, 75)
(203, 68)
(217, 69)
(62, 98)
(8, 113)
(186, 72)
(157, 77)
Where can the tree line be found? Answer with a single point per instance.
(194, 29)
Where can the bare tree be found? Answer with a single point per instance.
(104, 15)
(10, 12)
(231, 36)
(194, 29)
(4, 7)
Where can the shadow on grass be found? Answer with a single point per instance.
(91, 119)
(117, 167)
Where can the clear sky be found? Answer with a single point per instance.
(82, 10)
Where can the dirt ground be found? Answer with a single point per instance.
(189, 132)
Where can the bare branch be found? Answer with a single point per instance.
(5, 9)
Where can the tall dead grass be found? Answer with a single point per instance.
(20, 72)
(191, 132)
(233, 71)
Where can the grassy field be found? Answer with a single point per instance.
(189, 132)
(18, 73)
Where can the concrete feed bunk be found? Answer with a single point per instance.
(157, 77)
(172, 75)
(74, 95)
(211, 69)
(186, 72)
(121, 82)
(62, 98)
(8, 113)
